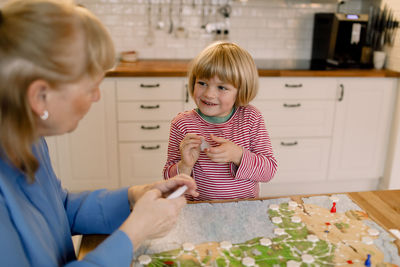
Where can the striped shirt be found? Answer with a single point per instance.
(214, 180)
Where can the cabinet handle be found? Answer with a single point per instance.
(187, 94)
(289, 143)
(293, 85)
(150, 127)
(149, 85)
(150, 147)
(341, 92)
(292, 105)
(149, 107)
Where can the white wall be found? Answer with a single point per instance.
(268, 29)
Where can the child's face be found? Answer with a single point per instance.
(213, 97)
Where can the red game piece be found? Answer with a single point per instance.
(169, 262)
(328, 223)
(333, 209)
(350, 262)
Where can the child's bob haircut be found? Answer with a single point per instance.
(232, 64)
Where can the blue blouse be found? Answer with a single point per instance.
(37, 219)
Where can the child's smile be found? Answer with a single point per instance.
(214, 97)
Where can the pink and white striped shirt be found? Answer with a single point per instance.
(214, 180)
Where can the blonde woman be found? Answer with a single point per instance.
(53, 56)
(223, 143)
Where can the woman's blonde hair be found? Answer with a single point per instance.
(232, 64)
(36, 42)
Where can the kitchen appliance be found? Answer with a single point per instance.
(338, 40)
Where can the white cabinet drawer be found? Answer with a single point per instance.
(297, 117)
(298, 88)
(301, 159)
(143, 131)
(146, 110)
(142, 163)
(149, 88)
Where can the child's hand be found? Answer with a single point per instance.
(226, 151)
(190, 151)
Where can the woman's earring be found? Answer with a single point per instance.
(45, 115)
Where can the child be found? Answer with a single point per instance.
(223, 143)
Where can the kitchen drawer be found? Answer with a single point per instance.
(298, 88)
(297, 117)
(143, 131)
(149, 88)
(148, 111)
(142, 163)
(301, 159)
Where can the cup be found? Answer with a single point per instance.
(379, 59)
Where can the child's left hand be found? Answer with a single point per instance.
(226, 151)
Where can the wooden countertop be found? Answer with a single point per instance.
(382, 206)
(178, 68)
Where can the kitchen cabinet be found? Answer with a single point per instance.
(145, 108)
(87, 158)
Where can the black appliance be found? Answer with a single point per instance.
(338, 40)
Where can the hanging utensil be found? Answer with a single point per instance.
(171, 22)
(180, 31)
(160, 23)
(149, 38)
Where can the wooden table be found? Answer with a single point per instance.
(382, 206)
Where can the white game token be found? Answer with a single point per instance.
(296, 219)
(265, 241)
(276, 220)
(256, 252)
(144, 259)
(312, 238)
(334, 199)
(187, 246)
(247, 261)
(293, 263)
(279, 231)
(307, 258)
(292, 205)
(367, 240)
(178, 192)
(373, 232)
(274, 207)
(225, 244)
(204, 144)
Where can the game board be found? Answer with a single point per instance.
(275, 232)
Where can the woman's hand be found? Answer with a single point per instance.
(152, 216)
(226, 151)
(190, 152)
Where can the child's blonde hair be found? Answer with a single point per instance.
(36, 42)
(232, 64)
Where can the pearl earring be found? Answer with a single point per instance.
(45, 115)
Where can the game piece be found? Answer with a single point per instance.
(265, 241)
(247, 261)
(256, 252)
(279, 231)
(333, 209)
(277, 220)
(292, 205)
(296, 219)
(225, 244)
(307, 258)
(274, 207)
(178, 192)
(293, 263)
(368, 260)
(367, 240)
(187, 246)
(312, 238)
(334, 199)
(144, 259)
(204, 144)
(349, 262)
(373, 232)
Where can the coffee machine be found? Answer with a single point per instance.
(338, 40)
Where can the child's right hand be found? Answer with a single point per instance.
(190, 152)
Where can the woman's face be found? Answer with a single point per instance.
(68, 104)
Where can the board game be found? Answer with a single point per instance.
(316, 231)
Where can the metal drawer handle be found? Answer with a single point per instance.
(341, 92)
(292, 105)
(289, 144)
(149, 107)
(149, 85)
(293, 85)
(150, 127)
(150, 147)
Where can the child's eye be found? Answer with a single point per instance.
(222, 88)
(201, 83)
